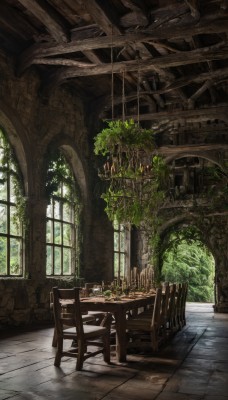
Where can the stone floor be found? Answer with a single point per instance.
(194, 366)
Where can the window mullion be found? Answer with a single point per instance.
(61, 231)
(53, 236)
(8, 223)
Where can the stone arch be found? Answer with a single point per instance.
(184, 220)
(212, 157)
(16, 134)
(78, 169)
(71, 153)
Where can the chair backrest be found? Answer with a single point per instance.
(68, 298)
(172, 301)
(157, 309)
(179, 296)
(183, 301)
(165, 301)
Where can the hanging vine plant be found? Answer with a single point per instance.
(135, 175)
(9, 167)
(58, 171)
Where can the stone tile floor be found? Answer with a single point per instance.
(193, 366)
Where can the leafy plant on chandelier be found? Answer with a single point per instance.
(136, 176)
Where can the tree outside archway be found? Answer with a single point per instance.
(185, 258)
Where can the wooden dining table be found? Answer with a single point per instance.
(119, 308)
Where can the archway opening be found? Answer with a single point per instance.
(186, 258)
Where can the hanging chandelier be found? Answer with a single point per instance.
(132, 170)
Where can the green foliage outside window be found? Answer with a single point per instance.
(62, 216)
(12, 211)
(186, 259)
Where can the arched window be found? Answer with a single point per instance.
(62, 217)
(12, 212)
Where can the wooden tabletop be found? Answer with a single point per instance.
(119, 308)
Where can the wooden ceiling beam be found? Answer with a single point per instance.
(199, 92)
(106, 17)
(49, 18)
(194, 7)
(202, 114)
(130, 39)
(15, 23)
(215, 76)
(171, 60)
(188, 149)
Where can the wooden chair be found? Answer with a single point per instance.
(178, 323)
(84, 336)
(164, 312)
(183, 304)
(171, 312)
(145, 331)
(86, 318)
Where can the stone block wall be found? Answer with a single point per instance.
(34, 120)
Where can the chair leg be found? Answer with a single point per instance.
(80, 356)
(106, 343)
(59, 352)
(154, 340)
(54, 339)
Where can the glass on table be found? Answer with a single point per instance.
(97, 290)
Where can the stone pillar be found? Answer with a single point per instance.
(217, 237)
(37, 231)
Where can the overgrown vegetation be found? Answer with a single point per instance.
(13, 219)
(186, 259)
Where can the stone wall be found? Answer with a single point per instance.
(34, 120)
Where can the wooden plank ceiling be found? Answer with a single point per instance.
(168, 60)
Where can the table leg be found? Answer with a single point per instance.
(121, 342)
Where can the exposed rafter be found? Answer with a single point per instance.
(47, 50)
(49, 17)
(172, 60)
(173, 56)
(203, 114)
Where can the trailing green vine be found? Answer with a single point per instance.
(58, 171)
(9, 167)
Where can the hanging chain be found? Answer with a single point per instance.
(123, 96)
(112, 78)
(138, 92)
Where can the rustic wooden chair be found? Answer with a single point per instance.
(183, 304)
(171, 312)
(144, 331)
(86, 318)
(179, 298)
(164, 311)
(84, 336)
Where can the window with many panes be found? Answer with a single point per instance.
(119, 251)
(61, 225)
(11, 205)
